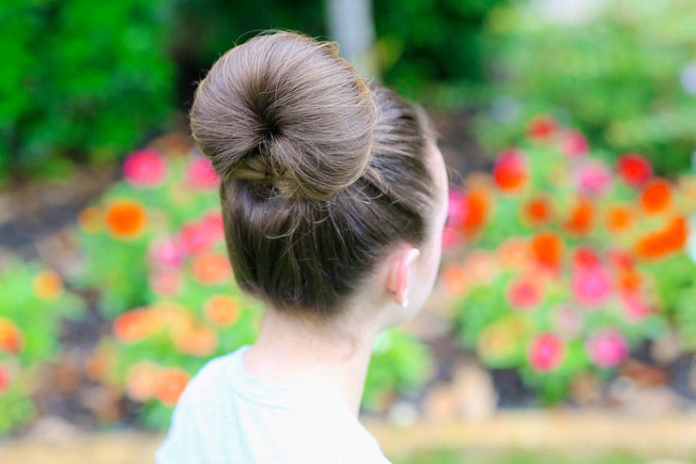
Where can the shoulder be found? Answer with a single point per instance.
(199, 409)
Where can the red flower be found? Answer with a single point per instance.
(537, 211)
(656, 197)
(510, 171)
(541, 127)
(585, 256)
(546, 352)
(635, 169)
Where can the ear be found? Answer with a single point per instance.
(398, 274)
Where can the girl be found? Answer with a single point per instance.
(334, 197)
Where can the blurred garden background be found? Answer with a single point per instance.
(562, 328)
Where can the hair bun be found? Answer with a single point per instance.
(285, 108)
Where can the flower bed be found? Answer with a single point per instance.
(561, 264)
(32, 302)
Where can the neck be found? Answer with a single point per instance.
(290, 352)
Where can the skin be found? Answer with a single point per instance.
(335, 358)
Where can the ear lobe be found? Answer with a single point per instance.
(400, 290)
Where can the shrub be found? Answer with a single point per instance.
(569, 262)
(32, 303)
(626, 75)
(81, 78)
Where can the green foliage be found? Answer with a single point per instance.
(81, 79)
(32, 304)
(626, 77)
(432, 49)
(399, 362)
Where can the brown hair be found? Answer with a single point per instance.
(321, 172)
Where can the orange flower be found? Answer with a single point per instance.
(172, 315)
(537, 211)
(142, 381)
(211, 268)
(581, 217)
(48, 285)
(221, 309)
(136, 324)
(663, 242)
(126, 219)
(547, 248)
(171, 384)
(476, 206)
(196, 340)
(656, 197)
(629, 279)
(454, 279)
(480, 267)
(90, 219)
(11, 338)
(619, 218)
(514, 253)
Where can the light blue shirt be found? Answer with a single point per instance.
(227, 415)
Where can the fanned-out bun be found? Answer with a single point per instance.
(285, 109)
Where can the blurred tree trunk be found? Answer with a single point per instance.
(351, 25)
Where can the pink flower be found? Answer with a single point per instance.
(523, 293)
(456, 208)
(591, 285)
(166, 252)
(165, 282)
(568, 321)
(196, 237)
(635, 305)
(201, 175)
(146, 168)
(593, 177)
(450, 237)
(607, 347)
(213, 224)
(574, 144)
(546, 352)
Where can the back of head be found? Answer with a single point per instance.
(321, 172)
